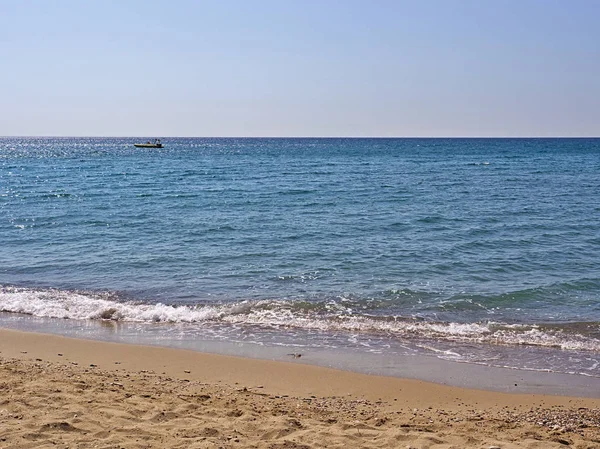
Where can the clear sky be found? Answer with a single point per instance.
(300, 68)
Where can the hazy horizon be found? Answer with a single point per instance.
(294, 137)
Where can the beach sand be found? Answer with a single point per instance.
(57, 392)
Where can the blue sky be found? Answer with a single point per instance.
(300, 68)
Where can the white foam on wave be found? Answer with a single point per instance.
(85, 306)
(537, 337)
(53, 303)
(287, 318)
(487, 333)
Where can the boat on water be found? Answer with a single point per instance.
(155, 144)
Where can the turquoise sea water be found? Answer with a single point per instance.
(476, 250)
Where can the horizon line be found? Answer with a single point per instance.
(302, 137)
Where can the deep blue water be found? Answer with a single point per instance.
(480, 250)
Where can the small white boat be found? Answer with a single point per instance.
(155, 144)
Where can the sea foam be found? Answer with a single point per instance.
(55, 303)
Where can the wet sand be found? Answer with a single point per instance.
(63, 392)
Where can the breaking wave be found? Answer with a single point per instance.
(318, 316)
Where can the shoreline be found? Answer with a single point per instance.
(426, 368)
(141, 396)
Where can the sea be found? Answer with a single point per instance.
(356, 253)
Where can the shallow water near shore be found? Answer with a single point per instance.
(403, 364)
(478, 251)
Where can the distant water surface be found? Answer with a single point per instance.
(484, 251)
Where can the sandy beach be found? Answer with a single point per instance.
(69, 393)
